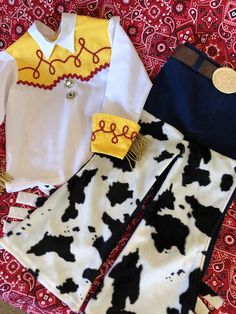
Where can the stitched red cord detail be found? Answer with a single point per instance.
(111, 129)
(77, 61)
(64, 76)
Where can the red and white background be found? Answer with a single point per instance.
(155, 28)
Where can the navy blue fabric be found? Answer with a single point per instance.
(187, 100)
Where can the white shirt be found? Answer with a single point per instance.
(48, 125)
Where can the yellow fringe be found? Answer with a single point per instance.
(137, 149)
(4, 177)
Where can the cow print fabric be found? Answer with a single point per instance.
(69, 237)
(160, 268)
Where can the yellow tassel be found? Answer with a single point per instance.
(4, 177)
(137, 149)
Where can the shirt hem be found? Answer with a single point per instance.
(11, 187)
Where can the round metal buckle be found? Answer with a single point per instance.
(224, 79)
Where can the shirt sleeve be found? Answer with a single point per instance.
(128, 86)
(8, 77)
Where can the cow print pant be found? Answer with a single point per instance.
(65, 241)
(160, 268)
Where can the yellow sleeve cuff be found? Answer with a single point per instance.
(112, 135)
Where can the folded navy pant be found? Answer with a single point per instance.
(183, 96)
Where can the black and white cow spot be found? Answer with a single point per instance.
(180, 271)
(116, 227)
(115, 311)
(68, 286)
(206, 217)
(9, 233)
(104, 247)
(126, 275)
(226, 182)
(120, 164)
(166, 199)
(119, 193)
(206, 290)
(155, 129)
(34, 273)
(172, 311)
(91, 274)
(76, 229)
(30, 211)
(91, 229)
(181, 149)
(163, 156)
(40, 201)
(59, 245)
(192, 171)
(169, 232)
(76, 186)
(189, 297)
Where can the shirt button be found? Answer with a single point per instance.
(71, 95)
(69, 83)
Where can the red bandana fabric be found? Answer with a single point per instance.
(220, 275)
(155, 28)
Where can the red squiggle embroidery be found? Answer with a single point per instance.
(55, 82)
(77, 61)
(111, 129)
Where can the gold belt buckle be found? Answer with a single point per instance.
(224, 79)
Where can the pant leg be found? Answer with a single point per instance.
(160, 268)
